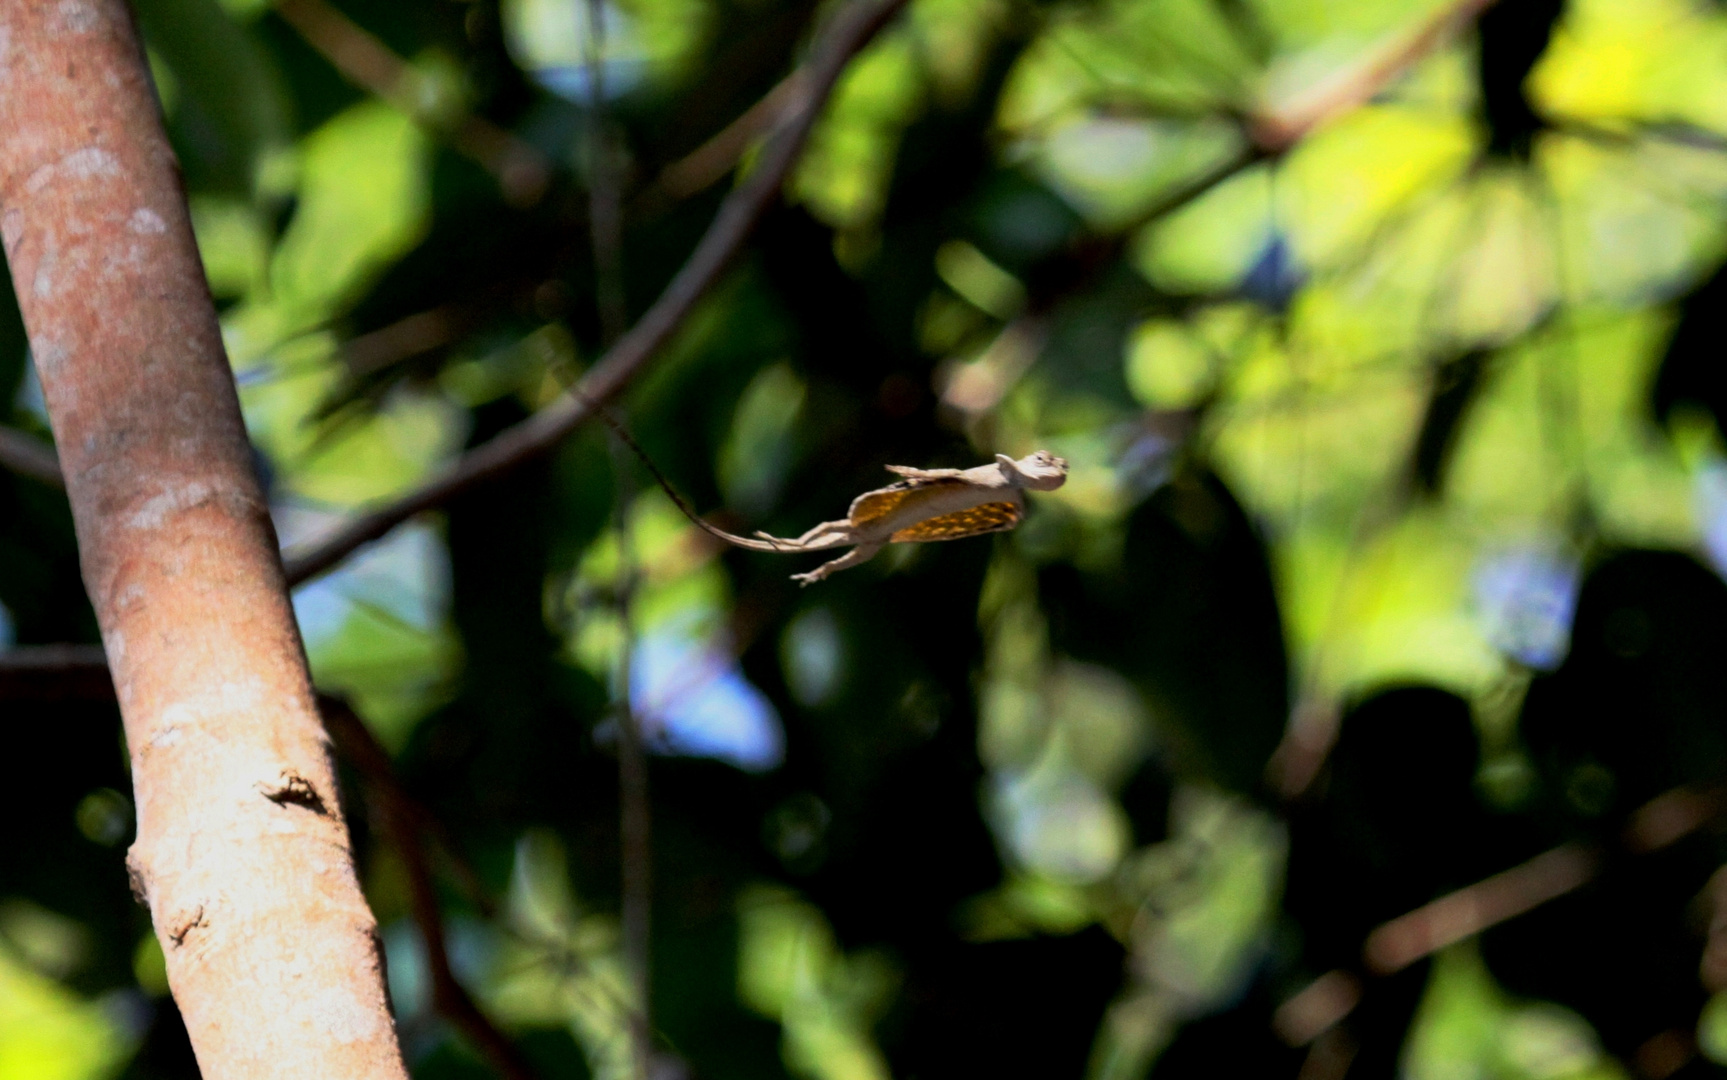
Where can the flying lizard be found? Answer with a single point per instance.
(923, 505)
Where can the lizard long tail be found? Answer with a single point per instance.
(770, 543)
(767, 543)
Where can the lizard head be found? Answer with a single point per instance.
(1042, 471)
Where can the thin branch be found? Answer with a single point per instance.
(853, 28)
(1329, 1058)
(30, 457)
(521, 170)
(635, 807)
(1316, 1008)
(712, 160)
(411, 336)
(1279, 129)
(1468, 911)
(55, 673)
(1474, 909)
(1192, 189)
(404, 822)
(605, 203)
(1667, 819)
(361, 749)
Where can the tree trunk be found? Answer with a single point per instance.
(242, 854)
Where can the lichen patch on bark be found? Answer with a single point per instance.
(146, 222)
(340, 1016)
(83, 164)
(172, 500)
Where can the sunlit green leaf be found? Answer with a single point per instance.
(791, 969)
(363, 202)
(49, 1033)
(1657, 60)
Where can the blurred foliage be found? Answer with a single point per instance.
(1404, 442)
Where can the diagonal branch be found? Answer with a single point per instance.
(850, 31)
(707, 163)
(1277, 130)
(405, 823)
(55, 673)
(1474, 909)
(1468, 911)
(605, 202)
(30, 457)
(521, 170)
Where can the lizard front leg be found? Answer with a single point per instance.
(860, 554)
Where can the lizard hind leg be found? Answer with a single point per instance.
(856, 556)
(824, 531)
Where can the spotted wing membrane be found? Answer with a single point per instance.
(988, 518)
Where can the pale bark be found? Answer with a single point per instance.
(242, 854)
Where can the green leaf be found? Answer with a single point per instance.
(364, 202)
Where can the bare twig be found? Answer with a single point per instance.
(521, 170)
(635, 809)
(707, 163)
(361, 749)
(1329, 1058)
(605, 202)
(410, 336)
(1713, 966)
(1279, 129)
(1468, 911)
(55, 673)
(1192, 189)
(1474, 909)
(1316, 1008)
(404, 822)
(1670, 817)
(737, 217)
(30, 457)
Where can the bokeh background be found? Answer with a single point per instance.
(1391, 558)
